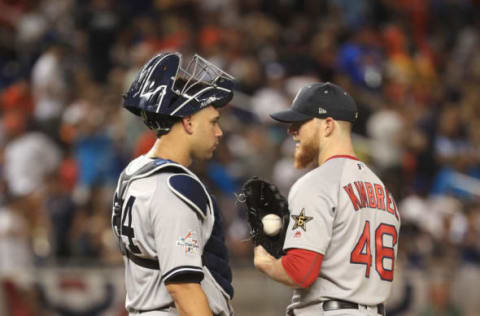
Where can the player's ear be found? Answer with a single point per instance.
(187, 124)
(329, 126)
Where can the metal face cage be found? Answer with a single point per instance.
(198, 71)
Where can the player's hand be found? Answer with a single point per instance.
(261, 258)
(259, 198)
(272, 267)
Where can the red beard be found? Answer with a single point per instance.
(304, 155)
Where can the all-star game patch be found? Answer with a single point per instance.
(189, 243)
(301, 220)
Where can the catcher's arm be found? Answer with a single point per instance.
(189, 299)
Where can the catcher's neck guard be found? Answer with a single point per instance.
(163, 88)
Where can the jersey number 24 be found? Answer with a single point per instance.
(127, 230)
(362, 253)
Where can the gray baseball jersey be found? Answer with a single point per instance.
(343, 210)
(164, 225)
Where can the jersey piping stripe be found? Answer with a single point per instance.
(182, 269)
(342, 156)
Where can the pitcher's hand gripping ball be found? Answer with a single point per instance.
(268, 214)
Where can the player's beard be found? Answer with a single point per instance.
(305, 153)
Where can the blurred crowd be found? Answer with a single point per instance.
(412, 66)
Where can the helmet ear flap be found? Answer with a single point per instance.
(161, 123)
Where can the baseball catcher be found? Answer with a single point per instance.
(261, 198)
(168, 225)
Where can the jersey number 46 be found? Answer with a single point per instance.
(362, 253)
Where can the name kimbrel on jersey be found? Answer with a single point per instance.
(368, 195)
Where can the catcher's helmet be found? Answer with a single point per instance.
(163, 90)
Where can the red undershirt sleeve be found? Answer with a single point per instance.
(303, 266)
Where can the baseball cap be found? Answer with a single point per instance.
(320, 100)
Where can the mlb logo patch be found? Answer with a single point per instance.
(189, 243)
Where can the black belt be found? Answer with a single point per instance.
(159, 309)
(336, 304)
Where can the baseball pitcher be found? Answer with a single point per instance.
(341, 236)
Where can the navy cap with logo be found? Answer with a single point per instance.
(320, 100)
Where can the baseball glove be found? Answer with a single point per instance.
(262, 198)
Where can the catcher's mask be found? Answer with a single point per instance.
(163, 91)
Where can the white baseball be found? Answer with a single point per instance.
(272, 224)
